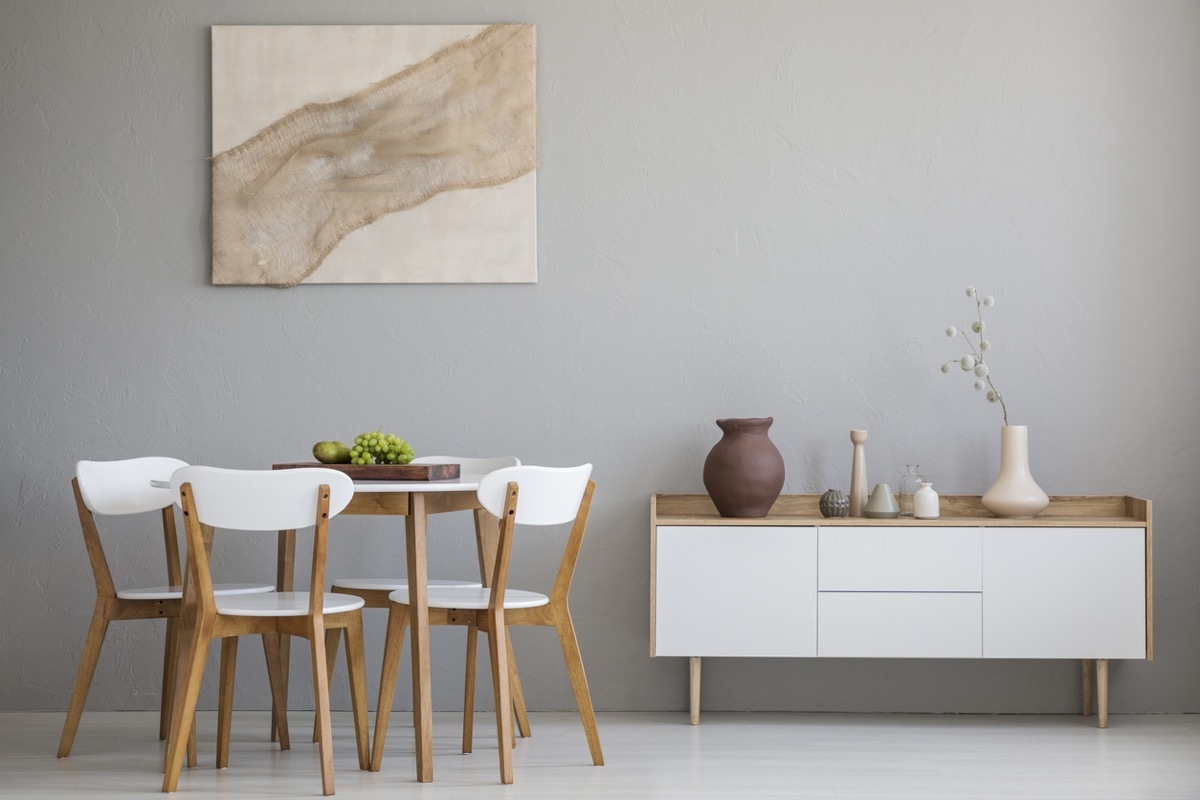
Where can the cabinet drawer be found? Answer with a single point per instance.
(866, 559)
(900, 625)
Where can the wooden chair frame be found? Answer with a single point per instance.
(202, 623)
(486, 542)
(494, 620)
(110, 608)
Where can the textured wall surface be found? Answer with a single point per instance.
(745, 209)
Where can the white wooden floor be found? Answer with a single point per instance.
(729, 755)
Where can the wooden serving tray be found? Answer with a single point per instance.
(386, 472)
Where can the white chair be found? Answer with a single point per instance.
(262, 500)
(375, 591)
(119, 489)
(524, 495)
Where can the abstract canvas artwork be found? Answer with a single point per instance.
(374, 154)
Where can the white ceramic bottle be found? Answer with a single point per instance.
(925, 502)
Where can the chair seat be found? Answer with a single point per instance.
(283, 604)
(474, 598)
(176, 592)
(393, 584)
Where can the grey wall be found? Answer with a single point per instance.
(756, 208)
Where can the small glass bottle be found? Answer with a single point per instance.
(908, 485)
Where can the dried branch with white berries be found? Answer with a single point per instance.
(974, 361)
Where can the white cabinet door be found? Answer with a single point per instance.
(735, 591)
(899, 624)
(1064, 593)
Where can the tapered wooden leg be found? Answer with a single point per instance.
(83, 679)
(1102, 692)
(518, 694)
(418, 610)
(183, 710)
(225, 698)
(469, 687)
(321, 697)
(694, 689)
(583, 697)
(285, 578)
(487, 541)
(498, 649)
(357, 669)
(1086, 687)
(331, 648)
(192, 759)
(277, 680)
(392, 647)
(284, 658)
(168, 680)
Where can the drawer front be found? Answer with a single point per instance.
(735, 591)
(867, 559)
(899, 625)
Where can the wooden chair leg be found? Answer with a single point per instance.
(518, 694)
(277, 680)
(279, 714)
(357, 669)
(83, 679)
(168, 680)
(183, 710)
(583, 697)
(498, 649)
(183, 641)
(468, 730)
(514, 684)
(393, 645)
(229, 646)
(331, 648)
(321, 698)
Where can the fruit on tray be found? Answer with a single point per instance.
(331, 452)
(380, 448)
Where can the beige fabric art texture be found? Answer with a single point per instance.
(463, 118)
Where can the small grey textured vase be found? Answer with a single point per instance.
(834, 503)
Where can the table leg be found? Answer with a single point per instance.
(285, 577)
(694, 689)
(418, 606)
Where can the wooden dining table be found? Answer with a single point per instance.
(415, 501)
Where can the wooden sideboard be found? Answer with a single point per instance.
(1074, 583)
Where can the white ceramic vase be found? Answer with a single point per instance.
(1015, 494)
(925, 502)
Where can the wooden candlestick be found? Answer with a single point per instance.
(858, 473)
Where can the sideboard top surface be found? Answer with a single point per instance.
(1067, 511)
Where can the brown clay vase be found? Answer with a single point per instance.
(744, 471)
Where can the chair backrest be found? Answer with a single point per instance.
(548, 495)
(123, 487)
(262, 500)
(472, 466)
(543, 496)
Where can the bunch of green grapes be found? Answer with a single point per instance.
(380, 448)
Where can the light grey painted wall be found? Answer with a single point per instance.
(756, 208)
